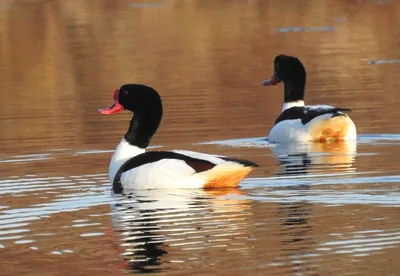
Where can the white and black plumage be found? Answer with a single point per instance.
(132, 167)
(304, 123)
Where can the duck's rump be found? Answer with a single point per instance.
(313, 123)
(181, 169)
(330, 127)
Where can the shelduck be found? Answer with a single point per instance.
(132, 167)
(305, 123)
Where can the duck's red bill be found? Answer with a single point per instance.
(272, 81)
(115, 108)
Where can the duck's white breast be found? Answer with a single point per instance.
(122, 153)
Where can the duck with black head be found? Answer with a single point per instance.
(305, 123)
(131, 167)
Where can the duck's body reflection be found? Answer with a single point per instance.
(154, 223)
(295, 158)
(299, 159)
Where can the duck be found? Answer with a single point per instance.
(132, 167)
(298, 122)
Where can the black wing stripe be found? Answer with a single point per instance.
(306, 114)
(243, 162)
(293, 113)
(313, 113)
(199, 165)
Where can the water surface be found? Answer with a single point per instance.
(312, 209)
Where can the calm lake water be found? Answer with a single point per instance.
(318, 209)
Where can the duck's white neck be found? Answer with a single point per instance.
(123, 153)
(292, 104)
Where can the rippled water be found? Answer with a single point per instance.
(309, 209)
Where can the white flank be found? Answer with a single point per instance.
(289, 131)
(175, 173)
(165, 173)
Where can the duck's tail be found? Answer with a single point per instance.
(334, 126)
(227, 174)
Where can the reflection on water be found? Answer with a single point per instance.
(277, 223)
(296, 236)
(152, 223)
(297, 159)
(316, 209)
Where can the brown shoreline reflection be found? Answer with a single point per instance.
(60, 62)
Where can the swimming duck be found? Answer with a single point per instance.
(304, 123)
(131, 167)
